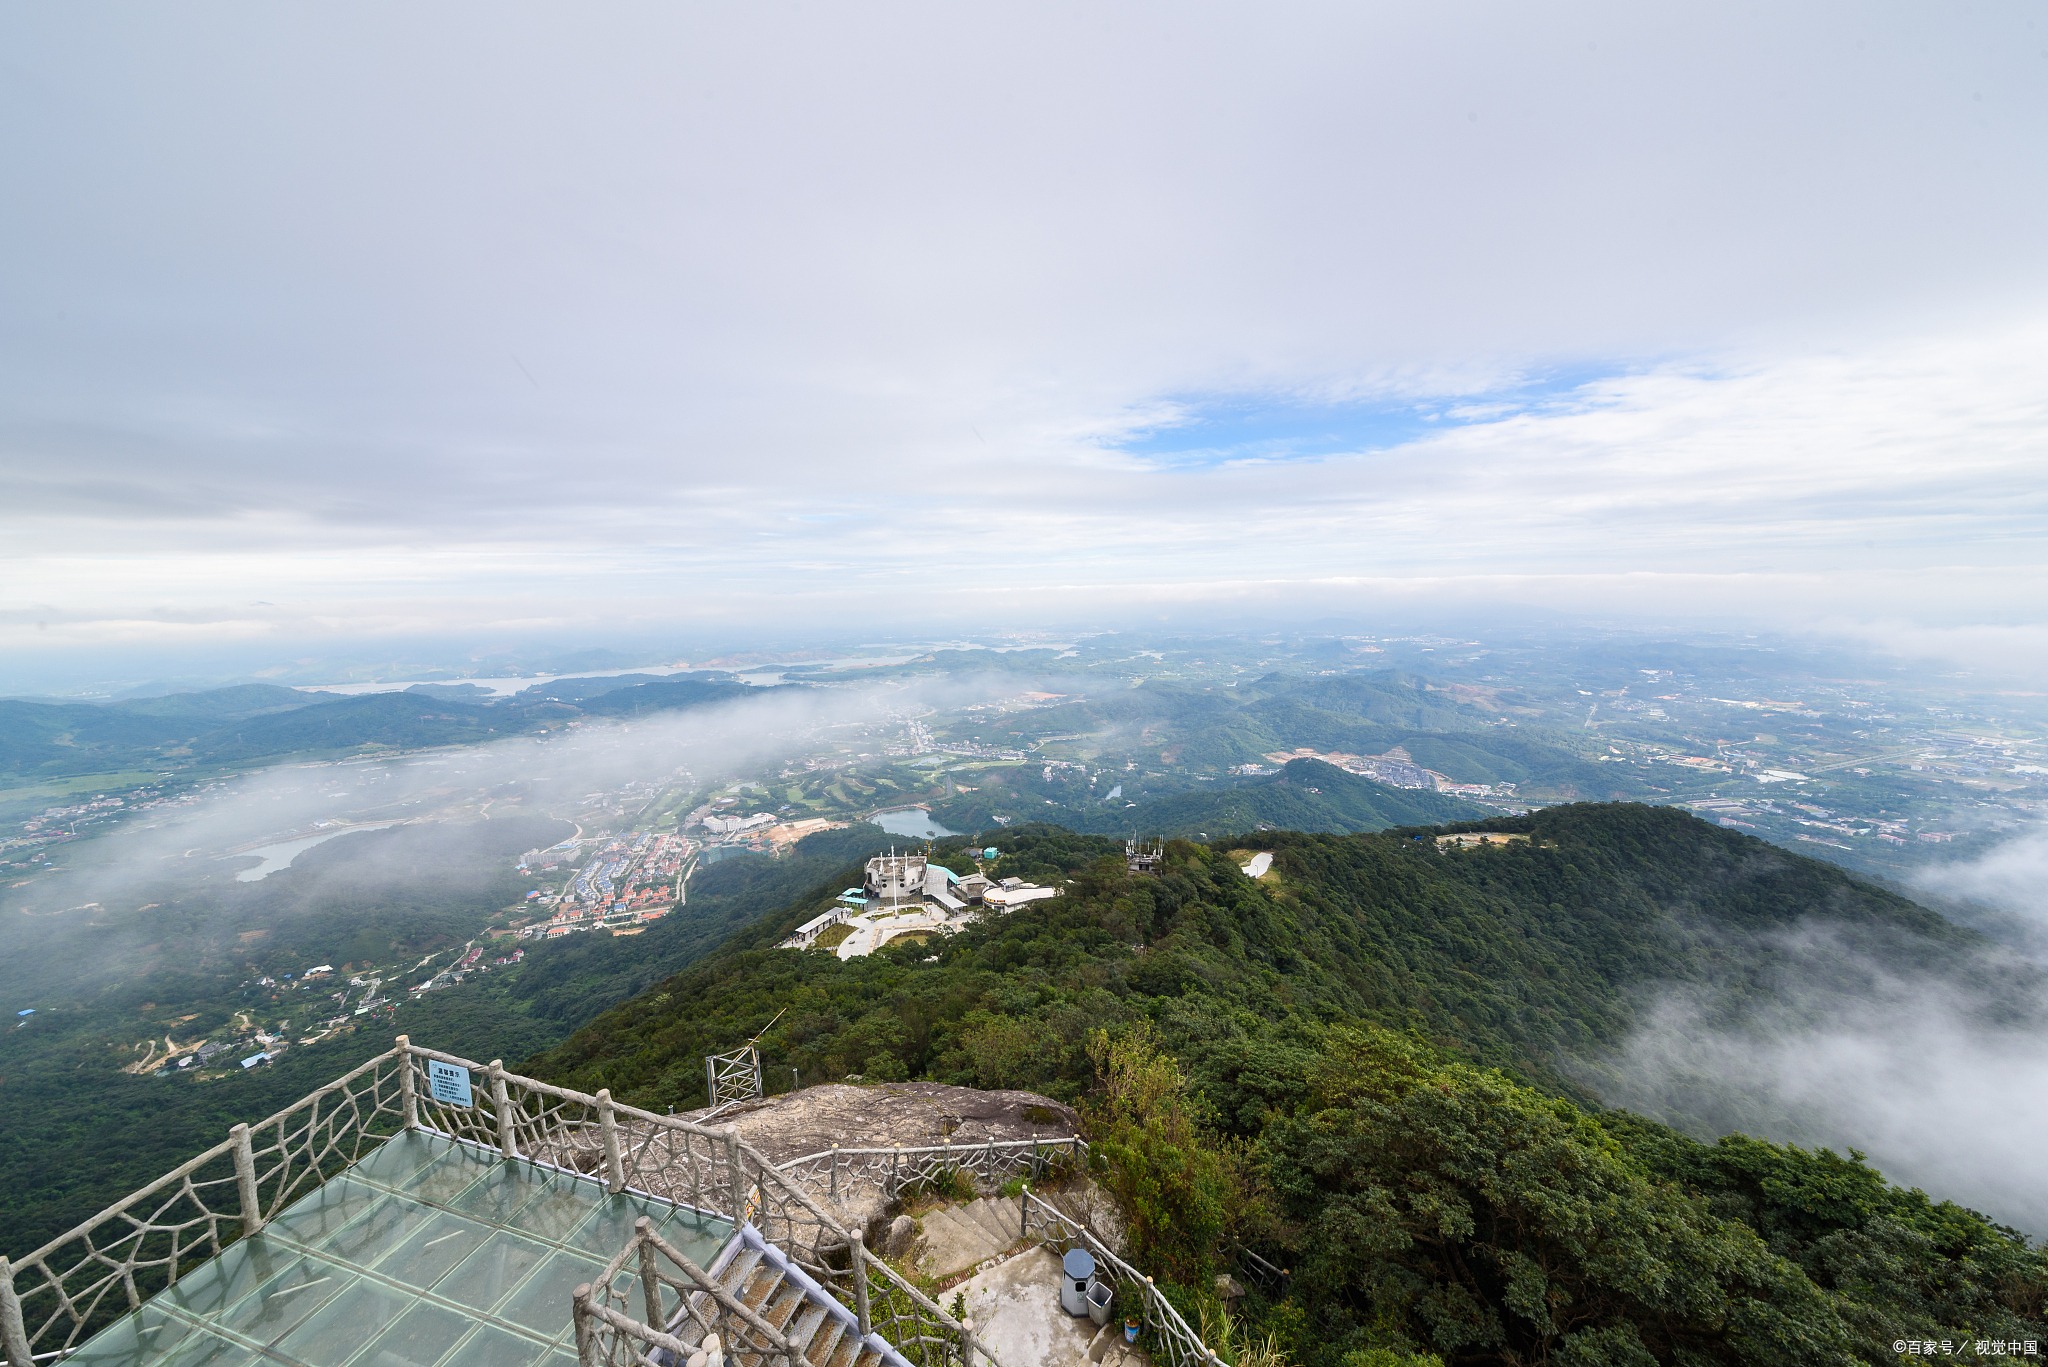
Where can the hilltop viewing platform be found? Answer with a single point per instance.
(908, 899)
(428, 1211)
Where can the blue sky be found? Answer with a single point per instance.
(1211, 429)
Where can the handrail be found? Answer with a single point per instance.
(81, 1279)
(111, 1263)
(1184, 1347)
(960, 1333)
(1261, 1271)
(594, 1300)
(895, 1167)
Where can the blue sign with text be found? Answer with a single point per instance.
(447, 1083)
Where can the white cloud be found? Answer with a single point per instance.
(837, 310)
(1938, 1075)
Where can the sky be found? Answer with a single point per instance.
(375, 321)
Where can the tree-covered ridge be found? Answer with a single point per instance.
(1517, 955)
(1373, 1042)
(260, 721)
(1304, 795)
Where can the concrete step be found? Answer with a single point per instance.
(954, 1243)
(825, 1343)
(983, 1236)
(805, 1326)
(985, 1214)
(820, 1336)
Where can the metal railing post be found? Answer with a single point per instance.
(245, 1180)
(650, 1284)
(13, 1334)
(408, 1095)
(614, 1165)
(710, 1082)
(895, 1182)
(501, 1099)
(834, 1184)
(860, 1278)
(586, 1330)
(1024, 1212)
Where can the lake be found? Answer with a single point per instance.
(914, 822)
(280, 855)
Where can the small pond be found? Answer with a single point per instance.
(914, 822)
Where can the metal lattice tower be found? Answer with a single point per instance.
(732, 1078)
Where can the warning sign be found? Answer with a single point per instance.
(447, 1083)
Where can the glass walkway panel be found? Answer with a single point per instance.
(431, 1252)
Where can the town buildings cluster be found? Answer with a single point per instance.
(628, 881)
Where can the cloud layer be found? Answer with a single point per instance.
(379, 321)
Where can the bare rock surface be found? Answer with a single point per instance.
(913, 1114)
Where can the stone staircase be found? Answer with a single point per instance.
(762, 1279)
(957, 1238)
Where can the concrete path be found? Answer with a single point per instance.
(1015, 1306)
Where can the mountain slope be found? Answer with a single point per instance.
(236, 702)
(81, 738)
(1305, 795)
(1518, 955)
(1296, 1009)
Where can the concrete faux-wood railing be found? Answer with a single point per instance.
(58, 1296)
(1180, 1345)
(844, 1171)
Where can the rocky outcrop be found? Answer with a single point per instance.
(913, 1114)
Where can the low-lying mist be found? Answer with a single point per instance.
(1940, 1078)
(114, 904)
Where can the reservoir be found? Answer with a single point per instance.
(914, 822)
(280, 855)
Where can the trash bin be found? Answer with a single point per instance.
(1079, 1266)
(1100, 1294)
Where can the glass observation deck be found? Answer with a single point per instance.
(430, 1252)
(427, 1211)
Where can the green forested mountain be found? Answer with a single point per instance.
(1305, 795)
(234, 703)
(662, 695)
(72, 738)
(249, 722)
(1368, 1064)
